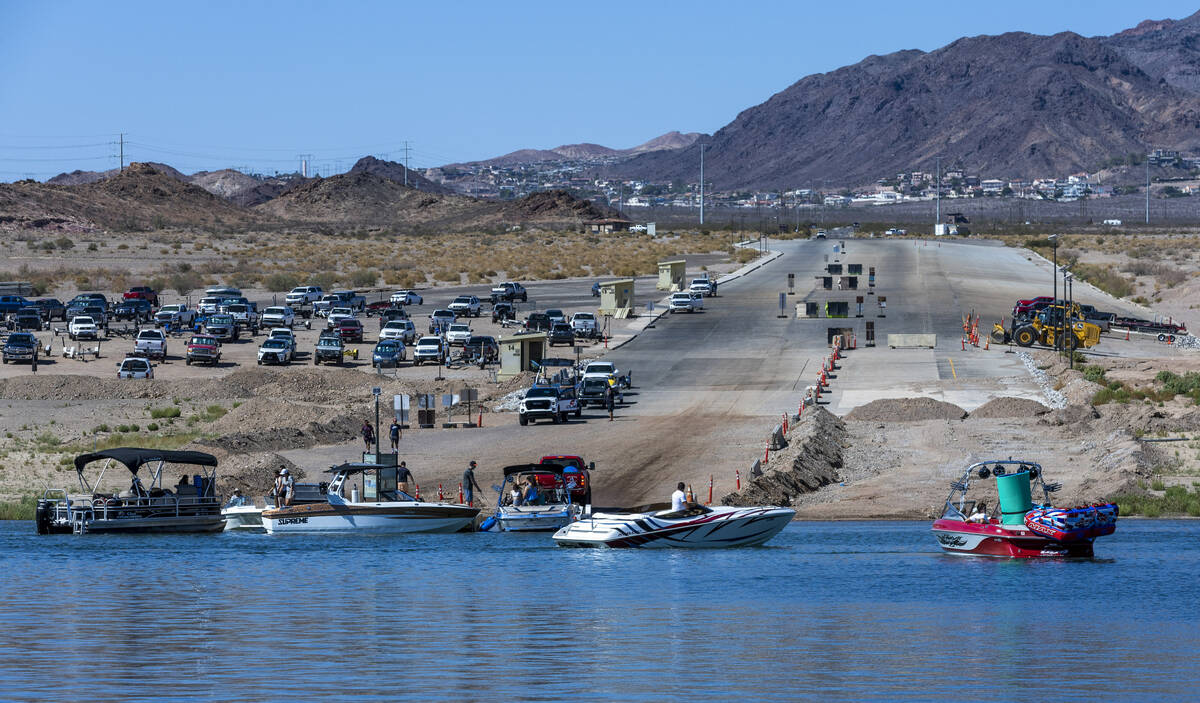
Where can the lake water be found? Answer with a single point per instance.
(826, 611)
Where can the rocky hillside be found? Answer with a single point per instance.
(1010, 105)
(575, 152)
(396, 172)
(142, 197)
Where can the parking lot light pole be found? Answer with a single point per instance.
(1054, 282)
(376, 391)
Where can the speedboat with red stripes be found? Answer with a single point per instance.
(1017, 528)
(656, 525)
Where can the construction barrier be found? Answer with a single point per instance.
(902, 341)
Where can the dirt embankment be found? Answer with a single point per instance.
(906, 410)
(810, 461)
(1007, 406)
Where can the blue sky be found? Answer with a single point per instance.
(208, 85)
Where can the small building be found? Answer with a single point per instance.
(672, 275)
(616, 298)
(608, 225)
(518, 351)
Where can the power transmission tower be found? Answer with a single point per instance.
(406, 149)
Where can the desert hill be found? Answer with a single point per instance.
(395, 172)
(141, 197)
(575, 152)
(1009, 105)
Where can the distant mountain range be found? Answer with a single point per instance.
(578, 152)
(1011, 105)
(151, 196)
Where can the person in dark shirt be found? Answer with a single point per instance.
(403, 477)
(469, 484)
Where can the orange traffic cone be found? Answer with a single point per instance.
(460, 493)
(441, 496)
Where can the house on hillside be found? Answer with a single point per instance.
(608, 225)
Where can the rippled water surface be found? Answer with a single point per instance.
(826, 611)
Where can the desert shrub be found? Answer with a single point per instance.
(1093, 373)
(325, 279)
(1106, 279)
(160, 413)
(184, 282)
(281, 282)
(364, 278)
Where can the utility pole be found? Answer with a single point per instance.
(701, 183)
(406, 163)
(1147, 191)
(121, 140)
(937, 189)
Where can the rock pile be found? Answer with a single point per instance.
(811, 461)
(1009, 407)
(906, 410)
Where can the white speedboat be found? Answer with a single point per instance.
(550, 509)
(382, 507)
(657, 526)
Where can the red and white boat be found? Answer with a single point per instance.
(1018, 528)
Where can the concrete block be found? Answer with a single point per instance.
(912, 340)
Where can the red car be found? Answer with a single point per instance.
(350, 329)
(143, 292)
(1024, 307)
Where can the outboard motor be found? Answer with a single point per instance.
(41, 516)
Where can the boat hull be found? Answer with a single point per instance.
(721, 527)
(369, 517)
(245, 518)
(993, 540)
(551, 519)
(182, 523)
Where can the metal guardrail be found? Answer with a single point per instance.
(16, 288)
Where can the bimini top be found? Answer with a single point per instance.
(356, 467)
(134, 457)
(533, 469)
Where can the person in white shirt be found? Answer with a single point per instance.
(678, 498)
(289, 486)
(980, 514)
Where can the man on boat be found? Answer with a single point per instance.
(469, 484)
(980, 514)
(288, 485)
(678, 498)
(277, 491)
(237, 500)
(403, 476)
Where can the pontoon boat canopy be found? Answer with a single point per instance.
(133, 457)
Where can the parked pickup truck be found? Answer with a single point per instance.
(152, 344)
(584, 324)
(703, 286)
(83, 327)
(142, 293)
(278, 316)
(591, 392)
(203, 349)
(222, 326)
(26, 319)
(12, 303)
(51, 308)
(138, 309)
(465, 305)
(348, 299)
(607, 370)
(509, 292)
(21, 346)
(174, 315)
(548, 403)
(301, 295)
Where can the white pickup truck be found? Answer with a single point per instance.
(278, 316)
(83, 327)
(703, 286)
(151, 344)
(301, 295)
(178, 314)
(548, 403)
(584, 324)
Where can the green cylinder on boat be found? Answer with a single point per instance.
(1014, 497)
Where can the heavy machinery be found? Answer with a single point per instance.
(1044, 328)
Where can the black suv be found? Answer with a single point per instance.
(561, 333)
(133, 309)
